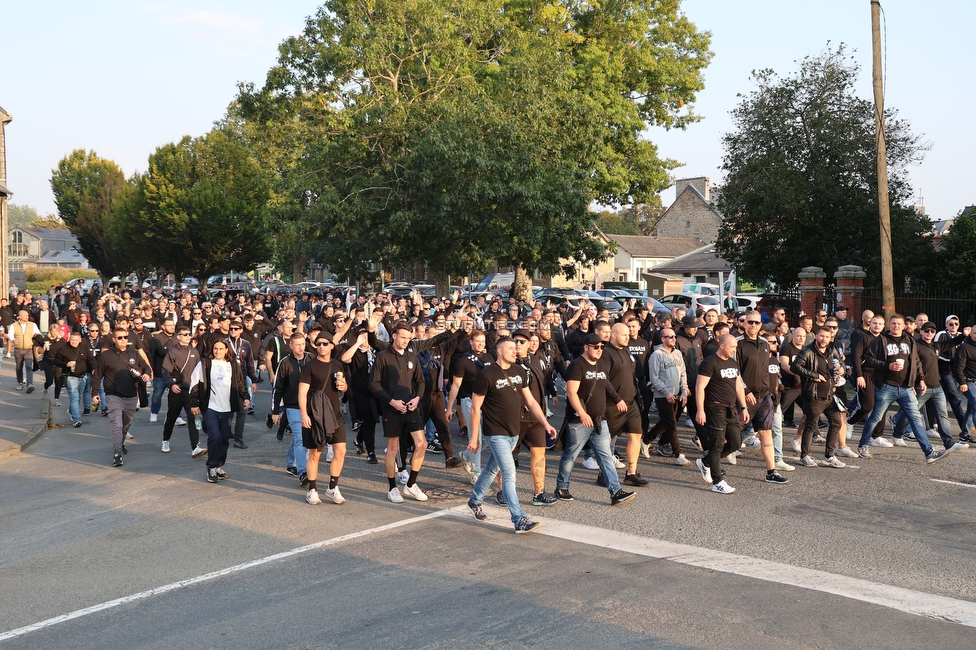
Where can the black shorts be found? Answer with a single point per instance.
(338, 437)
(532, 434)
(761, 414)
(629, 422)
(396, 423)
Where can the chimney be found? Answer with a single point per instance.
(701, 183)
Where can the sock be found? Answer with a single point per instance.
(770, 472)
(311, 484)
(413, 478)
(333, 482)
(392, 482)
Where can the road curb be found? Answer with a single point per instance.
(31, 435)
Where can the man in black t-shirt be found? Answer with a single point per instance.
(587, 389)
(466, 368)
(721, 400)
(319, 386)
(500, 391)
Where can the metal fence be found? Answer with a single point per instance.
(937, 304)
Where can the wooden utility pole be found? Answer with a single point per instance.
(887, 276)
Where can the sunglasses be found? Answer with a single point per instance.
(521, 342)
(597, 345)
(669, 336)
(753, 322)
(183, 334)
(830, 327)
(121, 338)
(235, 327)
(322, 343)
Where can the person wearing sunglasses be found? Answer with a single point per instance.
(669, 381)
(244, 356)
(953, 397)
(122, 370)
(181, 358)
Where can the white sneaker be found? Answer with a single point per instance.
(689, 423)
(783, 466)
(833, 461)
(180, 422)
(807, 461)
(645, 449)
(153, 417)
(165, 447)
(198, 451)
(681, 460)
(394, 496)
(752, 442)
(880, 442)
(329, 455)
(312, 496)
(796, 444)
(335, 495)
(57, 402)
(619, 464)
(934, 434)
(898, 442)
(465, 458)
(414, 492)
(590, 463)
(129, 436)
(723, 488)
(705, 470)
(845, 452)
(402, 477)
(730, 459)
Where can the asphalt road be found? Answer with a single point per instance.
(767, 567)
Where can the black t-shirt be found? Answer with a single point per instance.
(789, 351)
(594, 382)
(622, 370)
(897, 348)
(640, 350)
(722, 374)
(502, 408)
(468, 367)
(773, 369)
(320, 375)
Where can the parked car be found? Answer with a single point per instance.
(576, 300)
(770, 302)
(696, 299)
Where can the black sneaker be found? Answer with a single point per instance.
(117, 460)
(515, 459)
(636, 479)
(500, 499)
(526, 526)
(221, 474)
(453, 461)
(212, 475)
(356, 425)
(303, 479)
(434, 447)
(543, 499)
(292, 470)
(602, 482)
(776, 477)
(104, 413)
(125, 450)
(464, 432)
(622, 496)
(240, 444)
(564, 495)
(268, 422)
(77, 424)
(360, 450)
(476, 510)
(86, 412)
(965, 437)
(371, 459)
(250, 411)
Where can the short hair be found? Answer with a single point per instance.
(399, 326)
(296, 337)
(503, 339)
(720, 326)
(476, 334)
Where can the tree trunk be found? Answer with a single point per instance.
(522, 287)
(298, 262)
(443, 284)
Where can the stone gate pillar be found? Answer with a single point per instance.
(850, 290)
(811, 289)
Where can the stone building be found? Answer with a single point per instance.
(693, 213)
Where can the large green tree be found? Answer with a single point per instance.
(801, 181)
(86, 189)
(202, 206)
(459, 133)
(957, 259)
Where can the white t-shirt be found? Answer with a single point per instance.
(221, 383)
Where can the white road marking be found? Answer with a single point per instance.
(215, 574)
(969, 485)
(905, 600)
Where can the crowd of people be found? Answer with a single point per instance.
(413, 365)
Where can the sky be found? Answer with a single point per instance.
(122, 77)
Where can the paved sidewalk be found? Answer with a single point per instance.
(23, 418)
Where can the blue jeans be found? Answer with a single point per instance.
(159, 387)
(778, 434)
(76, 386)
(296, 452)
(86, 393)
(937, 397)
(969, 420)
(884, 397)
(218, 436)
(500, 458)
(598, 436)
(472, 457)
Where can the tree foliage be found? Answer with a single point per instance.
(639, 219)
(958, 256)
(801, 181)
(201, 206)
(86, 188)
(461, 133)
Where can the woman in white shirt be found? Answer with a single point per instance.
(216, 392)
